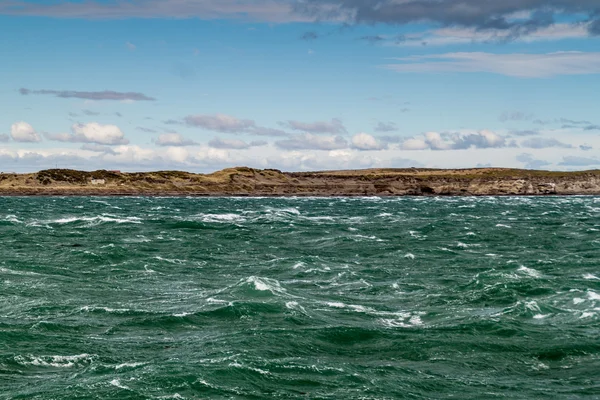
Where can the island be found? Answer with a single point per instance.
(244, 181)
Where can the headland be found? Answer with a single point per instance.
(244, 181)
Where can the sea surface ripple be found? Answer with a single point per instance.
(320, 298)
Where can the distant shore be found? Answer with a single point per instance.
(243, 181)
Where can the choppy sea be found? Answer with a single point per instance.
(299, 298)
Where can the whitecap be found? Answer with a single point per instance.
(13, 219)
(578, 300)
(409, 256)
(265, 284)
(590, 277)
(129, 365)
(117, 383)
(593, 295)
(529, 271)
(503, 226)
(53, 361)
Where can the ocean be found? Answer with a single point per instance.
(299, 298)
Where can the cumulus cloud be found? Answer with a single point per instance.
(24, 132)
(308, 141)
(334, 127)
(364, 141)
(103, 95)
(531, 162)
(174, 139)
(543, 143)
(92, 132)
(512, 64)
(455, 141)
(575, 161)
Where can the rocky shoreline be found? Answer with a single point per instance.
(243, 181)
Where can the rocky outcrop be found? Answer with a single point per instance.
(243, 181)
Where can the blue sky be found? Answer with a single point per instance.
(299, 84)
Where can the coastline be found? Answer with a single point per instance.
(249, 182)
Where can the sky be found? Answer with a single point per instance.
(297, 85)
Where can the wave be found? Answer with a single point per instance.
(55, 361)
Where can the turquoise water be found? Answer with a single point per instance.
(256, 298)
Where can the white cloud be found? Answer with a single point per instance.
(174, 139)
(514, 64)
(455, 141)
(23, 132)
(577, 161)
(92, 132)
(462, 35)
(308, 141)
(218, 143)
(364, 141)
(220, 123)
(335, 126)
(543, 142)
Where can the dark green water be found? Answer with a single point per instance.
(363, 298)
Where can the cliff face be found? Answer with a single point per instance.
(244, 181)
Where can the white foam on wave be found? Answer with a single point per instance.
(236, 364)
(220, 218)
(13, 272)
(403, 320)
(178, 396)
(129, 365)
(53, 361)
(590, 277)
(503, 226)
(294, 305)
(529, 271)
(578, 300)
(117, 383)
(410, 256)
(265, 284)
(359, 238)
(106, 309)
(13, 219)
(593, 295)
(171, 260)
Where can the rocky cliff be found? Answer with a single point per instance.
(242, 181)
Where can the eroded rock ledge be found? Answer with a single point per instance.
(243, 181)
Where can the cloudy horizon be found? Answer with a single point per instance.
(201, 85)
